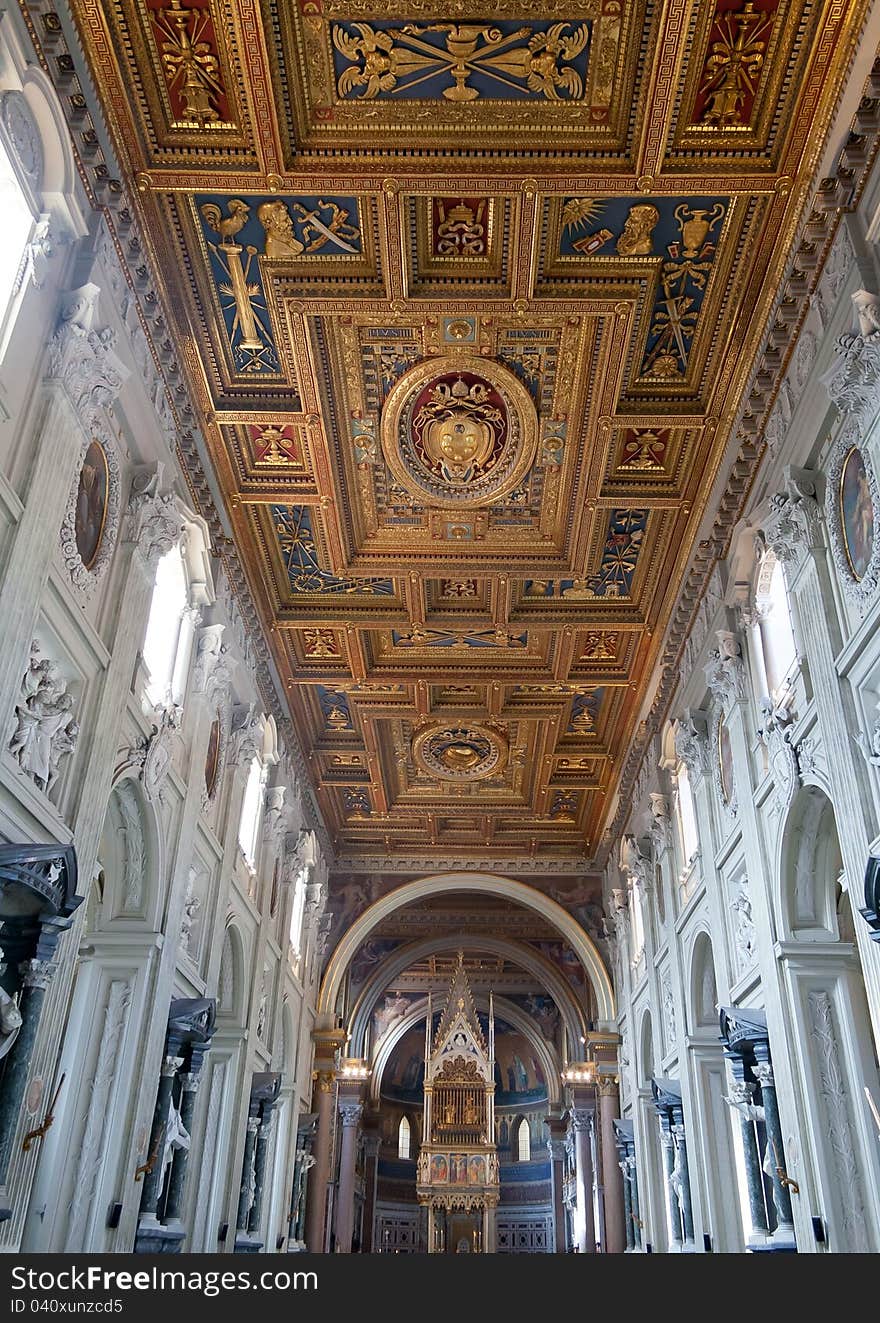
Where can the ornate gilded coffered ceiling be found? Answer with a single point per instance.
(468, 298)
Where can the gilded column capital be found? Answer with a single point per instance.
(606, 1086)
(324, 1079)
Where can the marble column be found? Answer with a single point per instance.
(37, 903)
(320, 1178)
(582, 1121)
(557, 1160)
(35, 977)
(156, 1169)
(372, 1144)
(668, 1145)
(350, 1113)
(742, 1094)
(763, 1072)
(189, 1083)
(684, 1187)
(632, 1168)
(296, 1240)
(246, 1186)
(615, 1242)
(264, 1132)
(490, 1229)
(627, 1205)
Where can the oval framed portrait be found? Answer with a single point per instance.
(856, 513)
(91, 520)
(724, 766)
(852, 509)
(212, 758)
(92, 496)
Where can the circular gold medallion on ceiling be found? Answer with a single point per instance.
(460, 753)
(459, 436)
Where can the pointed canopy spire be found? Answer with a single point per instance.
(459, 1006)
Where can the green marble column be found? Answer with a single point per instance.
(177, 1180)
(35, 977)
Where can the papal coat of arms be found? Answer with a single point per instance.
(459, 434)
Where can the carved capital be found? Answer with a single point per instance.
(581, 1120)
(154, 519)
(211, 672)
(726, 673)
(247, 736)
(661, 828)
(741, 1092)
(763, 1073)
(794, 524)
(776, 731)
(37, 973)
(606, 1086)
(275, 816)
(350, 1113)
(692, 742)
(83, 359)
(852, 381)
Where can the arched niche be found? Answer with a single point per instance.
(504, 1010)
(129, 858)
(488, 884)
(646, 1050)
(284, 1057)
(810, 869)
(231, 991)
(532, 961)
(703, 1000)
(57, 189)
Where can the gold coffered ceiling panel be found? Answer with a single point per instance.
(467, 297)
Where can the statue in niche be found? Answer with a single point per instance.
(738, 1100)
(10, 1022)
(45, 731)
(470, 1112)
(176, 1135)
(449, 1114)
(744, 924)
(676, 1180)
(191, 905)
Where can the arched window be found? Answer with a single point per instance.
(404, 1137)
(687, 821)
(523, 1142)
(169, 632)
(18, 222)
(296, 914)
(777, 636)
(251, 812)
